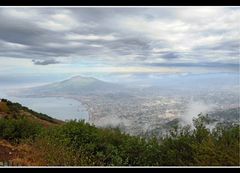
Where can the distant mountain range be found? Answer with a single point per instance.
(76, 85)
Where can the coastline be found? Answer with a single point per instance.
(84, 107)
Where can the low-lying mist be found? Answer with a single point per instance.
(194, 108)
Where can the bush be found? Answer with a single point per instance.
(3, 107)
(82, 144)
(17, 129)
(76, 143)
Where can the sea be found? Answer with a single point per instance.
(56, 107)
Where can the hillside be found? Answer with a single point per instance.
(9, 110)
(29, 138)
(20, 123)
(229, 115)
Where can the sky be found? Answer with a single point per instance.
(43, 44)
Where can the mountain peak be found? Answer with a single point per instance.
(76, 85)
(80, 80)
(78, 77)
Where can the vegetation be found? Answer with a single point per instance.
(82, 144)
(16, 129)
(16, 107)
(4, 107)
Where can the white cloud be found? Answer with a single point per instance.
(64, 45)
(189, 27)
(90, 37)
(20, 13)
(62, 21)
(96, 45)
(203, 41)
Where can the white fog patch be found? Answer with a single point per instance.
(146, 127)
(193, 110)
(211, 126)
(112, 121)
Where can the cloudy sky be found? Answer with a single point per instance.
(36, 43)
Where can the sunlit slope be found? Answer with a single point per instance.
(11, 110)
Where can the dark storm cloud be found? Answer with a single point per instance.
(45, 62)
(169, 55)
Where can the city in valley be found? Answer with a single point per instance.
(142, 110)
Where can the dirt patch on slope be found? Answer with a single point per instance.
(21, 154)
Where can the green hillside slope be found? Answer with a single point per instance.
(76, 143)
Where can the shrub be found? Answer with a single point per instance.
(17, 129)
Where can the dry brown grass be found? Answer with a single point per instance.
(3, 107)
(29, 156)
(35, 119)
(23, 154)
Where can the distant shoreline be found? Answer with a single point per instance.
(84, 105)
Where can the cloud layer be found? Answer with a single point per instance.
(122, 36)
